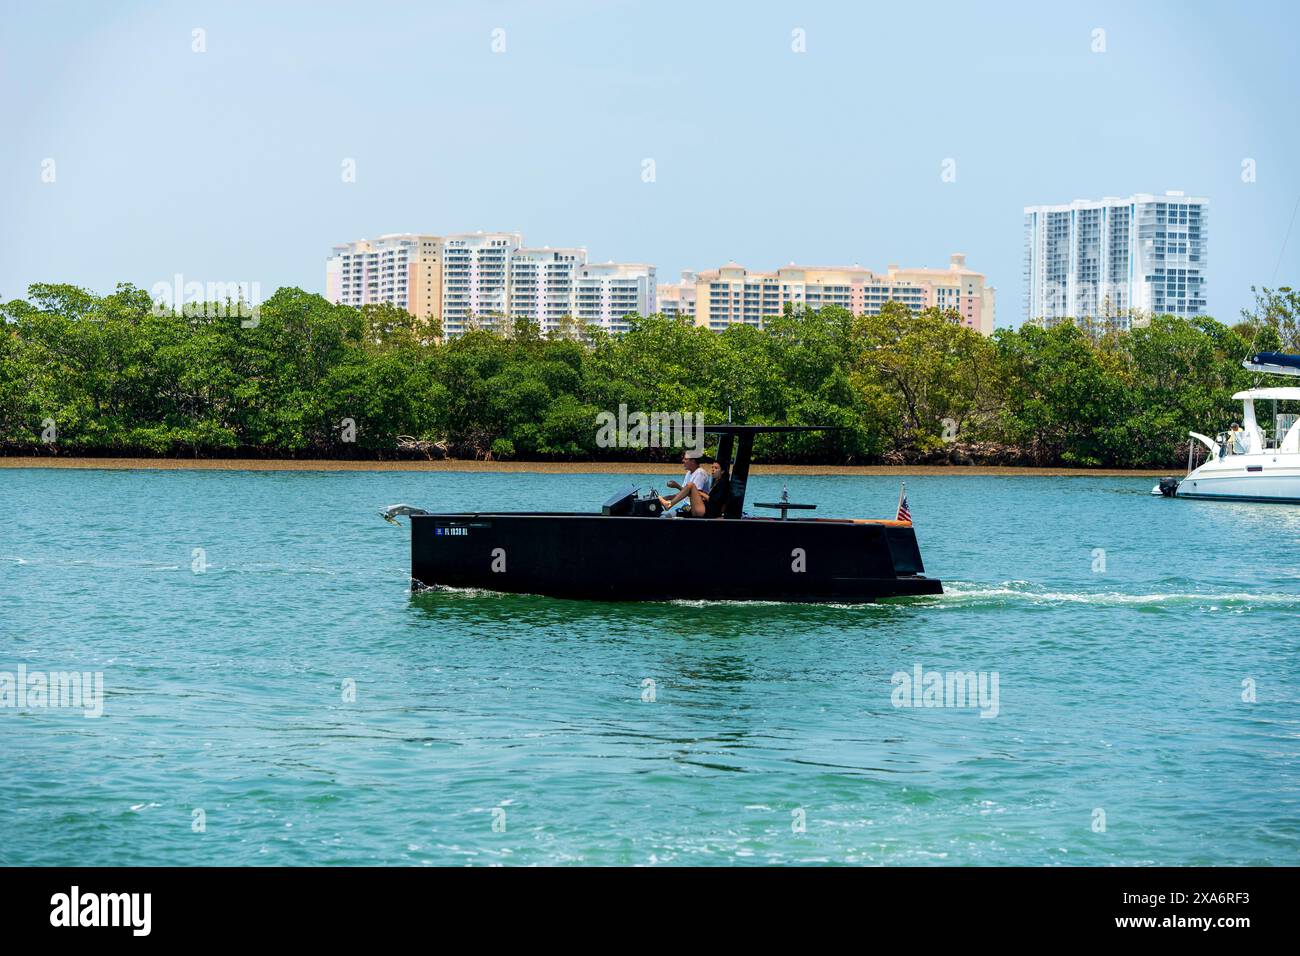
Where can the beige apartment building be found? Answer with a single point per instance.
(483, 277)
(453, 278)
(401, 269)
(678, 299)
(732, 294)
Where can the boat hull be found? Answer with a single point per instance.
(1270, 480)
(600, 557)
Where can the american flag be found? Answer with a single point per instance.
(904, 514)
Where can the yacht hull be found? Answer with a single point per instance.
(601, 557)
(1246, 463)
(1244, 478)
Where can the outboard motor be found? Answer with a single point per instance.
(1169, 487)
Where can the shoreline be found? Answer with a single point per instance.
(549, 467)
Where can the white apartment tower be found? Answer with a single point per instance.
(1108, 257)
(606, 293)
(543, 283)
(476, 278)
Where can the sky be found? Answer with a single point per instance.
(127, 155)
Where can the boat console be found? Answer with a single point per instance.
(626, 504)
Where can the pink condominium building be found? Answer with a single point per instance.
(729, 295)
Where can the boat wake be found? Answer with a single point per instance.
(91, 564)
(965, 594)
(420, 590)
(446, 590)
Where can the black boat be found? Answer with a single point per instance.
(627, 552)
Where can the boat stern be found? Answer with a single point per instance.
(908, 566)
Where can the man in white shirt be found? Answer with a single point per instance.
(695, 475)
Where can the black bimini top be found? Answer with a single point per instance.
(741, 437)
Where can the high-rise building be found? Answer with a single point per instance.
(486, 278)
(606, 293)
(954, 289)
(678, 299)
(543, 284)
(476, 278)
(1110, 258)
(401, 269)
(732, 294)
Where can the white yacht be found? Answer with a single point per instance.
(1252, 462)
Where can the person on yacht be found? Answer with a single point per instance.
(712, 503)
(696, 477)
(1237, 438)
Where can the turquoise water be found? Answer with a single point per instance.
(509, 729)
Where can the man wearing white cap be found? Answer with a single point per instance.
(695, 475)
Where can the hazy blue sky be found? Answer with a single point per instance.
(226, 165)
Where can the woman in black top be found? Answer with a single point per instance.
(712, 503)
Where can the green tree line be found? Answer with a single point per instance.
(83, 374)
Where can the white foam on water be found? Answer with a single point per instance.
(95, 564)
(450, 591)
(965, 594)
(960, 592)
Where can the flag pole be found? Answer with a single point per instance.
(902, 489)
